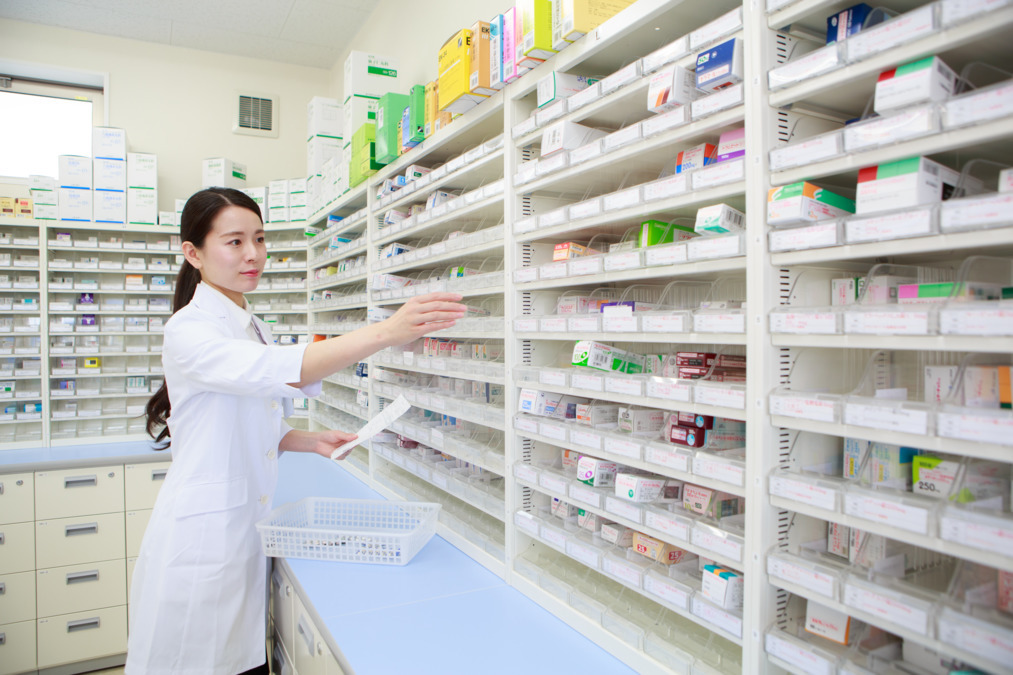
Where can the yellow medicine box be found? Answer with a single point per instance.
(579, 17)
(535, 41)
(455, 74)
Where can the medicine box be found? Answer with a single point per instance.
(556, 86)
(639, 488)
(109, 206)
(569, 249)
(884, 288)
(709, 502)
(510, 29)
(722, 586)
(455, 74)
(657, 232)
(570, 459)
(109, 174)
(324, 117)
(358, 110)
(535, 41)
(660, 551)
(903, 184)
(640, 420)
(579, 17)
(566, 135)
(921, 81)
(496, 52)
(1006, 180)
(598, 415)
(596, 472)
(720, 66)
(561, 509)
(481, 54)
(689, 436)
(938, 381)
(827, 623)
(222, 172)
(617, 535)
(388, 116)
(600, 356)
(670, 88)
(732, 145)
(591, 522)
(805, 203)
(981, 386)
(935, 476)
(695, 158)
(846, 291)
(719, 219)
(75, 203)
(846, 22)
(912, 294)
(838, 539)
(576, 304)
(370, 75)
(890, 465)
(109, 143)
(75, 171)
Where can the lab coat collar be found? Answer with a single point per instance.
(212, 300)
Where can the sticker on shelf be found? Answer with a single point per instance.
(719, 27)
(719, 323)
(622, 570)
(553, 324)
(624, 385)
(669, 389)
(804, 323)
(888, 512)
(706, 467)
(718, 174)
(585, 439)
(884, 417)
(982, 533)
(976, 636)
(955, 11)
(585, 153)
(667, 590)
(624, 136)
(552, 377)
(804, 492)
(886, 323)
(666, 187)
(982, 106)
(664, 323)
(526, 424)
(800, 656)
(814, 63)
(526, 325)
(553, 536)
(976, 212)
(997, 429)
(909, 26)
(585, 495)
(810, 579)
(712, 103)
(726, 621)
(553, 431)
(664, 522)
(524, 127)
(584, 554)
(587, 265)
(707, 248)
(552, 482)
(668, 254)
(556, 270)
(901, 126)
(665, 121)
(623, 509)
(585, 381)
(722, 545)
(526, 522)
(622, 199)
(894, 226)
(623, 447)
(587, 209)
(888, 607)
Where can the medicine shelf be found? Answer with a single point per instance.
(344, 406)
(18, 333)
(324, 261)
(95, 352)
(812, 14)
(109, 312)
(988, 140)
(445, 372)
(83, 373)
(981, 38)
(457, 255)
(916, 342)
(449, 442)
(19, 247)
(701, 269)
(21, 268)
(317, 285)
(21, 222)
(451, 288)
(79, 395)
(485, 169)
(98, 291)
(482, 210)
(477, 413)
(354, 199)
(111, 227)
(469, 334)
(292, 226)
(357, 304)
(126, 251)
(286, 249)
(675, 338)
(342, 226)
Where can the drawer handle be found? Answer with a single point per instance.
(304, 630)
(3, 639)
(3, 587)
(80, 481)
(2, 537)
(81, 577)
(83, 528)
(158, 474)
(83, 624)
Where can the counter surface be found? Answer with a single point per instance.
(73, 456)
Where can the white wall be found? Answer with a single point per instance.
(179, 103)
(412, 33)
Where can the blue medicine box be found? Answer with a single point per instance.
(847, 22)
(720, 66)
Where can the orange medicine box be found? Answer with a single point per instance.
(662, 552)
(570, 249)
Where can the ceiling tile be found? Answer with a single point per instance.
(89, 19)
(214, 38)
(323, 23)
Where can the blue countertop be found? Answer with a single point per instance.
(441, 613)
(73, 456)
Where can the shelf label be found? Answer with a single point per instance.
(669, 389)
(585, 439)
(886, 323)
(984, 536)
(590, 323)
(665, 121)
(621, 77)
(703, 248)
(585, 495)
(584, 97)
(719, 174)
(667, 591)
(552, 377)
(549, 112)
(398, 459)
(525, 326)
(552, 164)
(671, 459)
(622, 199)
(982, 638)
(906, 27)
(887, 607)
(583, 154)
(553, 431)
(623, 447)
(526, 522)
(722, 25)
(556, 270)
(954, 11)
(527, 473)
(710, 541)
(715, 102)
(882, 417)
(803, 408)
(720, 396)
(718, 470)
(804, 492)
(524, 127)
(619, 324)
(588, 265)
(897, 127)
(553, 536)
(959, 214)
(624, 509)
(814, 63)
(437, 249)
(624, 136)
(666, 187)
(805, 323)
(624, 385)
(979, 428)
(526, 275)
(552, 482)
(671, 254)
(799, 656)
(713, 615)
(584, 381)
(888, 512)
(987, 105)
(622, 570)
(719, 323)
(799, 575)
(990, 322)
(622, 261)
(667, 524)
(583, 554)
(663, 323)
(893, 226)
(553, 324)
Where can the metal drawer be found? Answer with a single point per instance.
(17, 497)
(69, 541)
(17, 548)
(78, 588)
(78, 492)
(282, 610)
(17, 647)
(17, 597)
(141, 483)
(81, 636)
(137, 522)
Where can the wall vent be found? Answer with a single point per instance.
(256, 115)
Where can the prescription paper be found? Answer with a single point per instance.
(374, 426)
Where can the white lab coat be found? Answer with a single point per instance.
(199, 591)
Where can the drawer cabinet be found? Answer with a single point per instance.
(81, 636)
(308, 648)
(72, 492)
(17, 547)
(77, 588)
(17, 647)
(299, 647)
(282, 601)
(69, 541)
(141, 483)
(131, 563)
(137, 523)
(17, 498)
(17, 597)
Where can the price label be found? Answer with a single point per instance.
(888, 512)
(526, 325)
(527, 126)
(585, 495)
(669, 389)
(719, 174)
(710, 541)
(985, 536)
(992, 103)
(588, 265)
(955, 11)
(901, 126)
(720, 396)
(398, 459)
(621, 77)
(958, 214)
(886, 323)
(712, 103)
(723, 25)
(526, 275)
(802, 657)
(553, 536)
(437, 249)
(804, 492)
(585, 153)
(671, 458)
(549, 112)
(814, 63)
(799, 575)
(805, 323)
(553, 431)
(624, 385)
(663, 323)
(906, 27)
(622, 570)
(623, 447)
(665, 121)
(882, 417)
(552, 482)
(527, 473)
(620, 324)
(667, 591)
(894, 226)
(435, 437)
(584, 381)
(584, 97)
(990, 322)
(554, 378)
(803, 408)
(800, 238)
(585, 439)
(718, 470)
(556, 270)
(719, 323)
(624, 136)
(705, 248)
(554, 324)
(623, 509)
(718, 617)
(526, 522)
(672, 254)
(666, 187)
(668, 524)
(589, 323)
(892, 608)
(982, 638)
(584, 554)
(622, 199)
(552, 164)
(979, 428)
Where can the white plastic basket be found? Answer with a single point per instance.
(349, 530)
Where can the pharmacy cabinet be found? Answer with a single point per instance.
(17, 550)
(17, 647)
(17, 496)
(63, 590)
(72, 491)
(82, 636)
(141, 483)
(17, 601)
(299, 644)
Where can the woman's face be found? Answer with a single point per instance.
(234, 253)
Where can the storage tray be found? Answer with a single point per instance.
(349, 530)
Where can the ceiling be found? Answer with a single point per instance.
(303, 32)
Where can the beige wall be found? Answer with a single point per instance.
(178, 103)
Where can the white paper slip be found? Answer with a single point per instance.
(981, 532)
(801, 238)
(622, 570)
(804, 323)
(887, 606)
(886, 323)
(374, 426)
(793, 573)
(665, 589)
(902, 126)
(906, 27)
(989, 211)
(803, 492)
(812, 64)
(888, 512)
(988, 104)
(894, 226)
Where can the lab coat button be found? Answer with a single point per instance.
(263, 499)
(271, 455)
(274, 405)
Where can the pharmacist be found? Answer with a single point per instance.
(198, 598)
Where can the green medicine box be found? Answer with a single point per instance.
(388, 116)
(416, 117)
(656, 232)
(363, 136)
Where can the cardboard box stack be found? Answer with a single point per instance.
(109, 175)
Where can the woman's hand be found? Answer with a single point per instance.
(421, 315)
(318, 442)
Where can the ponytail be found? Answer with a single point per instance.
(198, 217)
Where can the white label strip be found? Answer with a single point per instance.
(590, 323)
(894, 226)
(667, 591)
(909, 26)
(667, 458)
(554, 537)
(553, 431)
(898, 127)
(979, 428)
(978, 637)
(584, 153)
(526, 275)
(804, 323)
(801, 238)
(526, 424)
(585, 495)
(718, 617)
(703, 248)
(622, 137)
(622, 199)
(992, 322)
(726, 546)
(526, 522)
(886, 323)
(553, 483)
(990, 104)
(959, 214)
(552, 377)
(888, 512)
(666, 187)
(719, 323)
(585, 439)
(814, 63)
(589, 265)
(623, 447)
(621, 570)
(882, 417)
(796, 655)
(620, 324)
(624, 385)
(591, 382)
(665, 121)
(804, 492)
(665, 255)
(374, 426)
(820, 583)
(983, 536)
(624, 509)
(720, 396)
(802, 408)
(718, 470)
(556, 270)
(723, 25)
(583, 554)
(889, 608)
(667, 524)
(954, 11)
(527, 473)
(663, 323)
(725, 172)
(712, 103)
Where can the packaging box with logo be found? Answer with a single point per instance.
(454, 67)
(75, 172)
(902, 184)
(577, 18)
(922, 81)
(670, 88)
(536, 30)
(221, 172)
(75, 204)
(720, 66)
(370, 75)
(803, 203)
(142, 206)
(324, 117)
(388, 117)
(479, 81)
(109, 206)
(109, 143)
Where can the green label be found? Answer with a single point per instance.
(898, 168)
(908, 68)
(385, 72)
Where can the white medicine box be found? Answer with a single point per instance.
(109, 143)
(110, 174)
(222, 172)
(370, 75)
(921, 81)
(670, 88)
(903, 184)
(568, 136)
(75, 171)
(142, 170)
(110, 206)
(142, 206)
(75, 203)
(557, 86)
(324, 117)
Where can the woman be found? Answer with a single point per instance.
(198, 598)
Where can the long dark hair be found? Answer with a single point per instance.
(198, 218)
